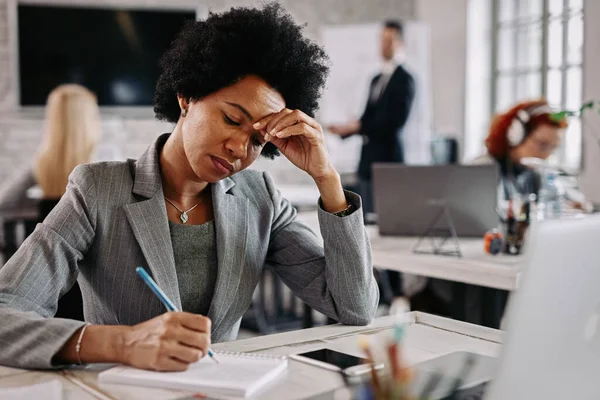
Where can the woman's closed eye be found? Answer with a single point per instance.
(230, 121)
(257, 140)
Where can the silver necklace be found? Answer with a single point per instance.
(183, 215)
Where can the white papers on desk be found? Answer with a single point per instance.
(51, 390)
(236, 375)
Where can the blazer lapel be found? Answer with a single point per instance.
(231, 221)
(148, 219)
(150, 225)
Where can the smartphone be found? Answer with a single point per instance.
(335, 361)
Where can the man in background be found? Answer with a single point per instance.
(391, 95)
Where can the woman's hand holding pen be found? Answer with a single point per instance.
(169, 342)
(300, 139)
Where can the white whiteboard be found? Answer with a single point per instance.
(355, 59)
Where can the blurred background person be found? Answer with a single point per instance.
(526, 130)
(72, 131)
(391, 95)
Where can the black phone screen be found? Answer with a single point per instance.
(340, 360)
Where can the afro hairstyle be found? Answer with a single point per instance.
(215, 53)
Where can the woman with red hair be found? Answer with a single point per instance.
(527, 130)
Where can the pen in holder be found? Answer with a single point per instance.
(394, 382)
(510, 238)
(397, 380)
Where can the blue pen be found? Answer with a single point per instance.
(162, 297)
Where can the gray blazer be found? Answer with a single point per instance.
(113, 219)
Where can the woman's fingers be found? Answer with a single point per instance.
(266, 124)
(184, 353)
(273, 123)
(299, 130)
(171, 365)
(295, 117)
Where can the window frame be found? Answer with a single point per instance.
(514, 71)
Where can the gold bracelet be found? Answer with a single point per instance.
(78, 345)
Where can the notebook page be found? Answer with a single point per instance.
(233, 374)
(231, 371)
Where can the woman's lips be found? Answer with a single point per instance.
(221, 165)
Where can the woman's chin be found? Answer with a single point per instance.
(209, 178)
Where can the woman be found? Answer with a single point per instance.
(72, 130)
(236, 85)
(527, 130)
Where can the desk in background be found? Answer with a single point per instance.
(427, 337)
(498, 274)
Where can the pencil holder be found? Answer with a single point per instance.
(514, 222)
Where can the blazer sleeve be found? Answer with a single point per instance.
(335, 279)
(43, 269)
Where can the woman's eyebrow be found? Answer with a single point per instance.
(242, 109)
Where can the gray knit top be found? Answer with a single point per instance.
(195, 250)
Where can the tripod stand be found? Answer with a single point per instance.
(439, 234)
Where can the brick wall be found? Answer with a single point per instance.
(131, 132)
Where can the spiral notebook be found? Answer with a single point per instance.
(236, 375)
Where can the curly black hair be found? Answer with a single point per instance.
(216, 53)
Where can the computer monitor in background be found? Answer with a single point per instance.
(404, 195)
(114, 52)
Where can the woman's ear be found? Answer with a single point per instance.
(183, 102)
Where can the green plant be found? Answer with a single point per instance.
(561, 115)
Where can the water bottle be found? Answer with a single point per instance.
(550, 197)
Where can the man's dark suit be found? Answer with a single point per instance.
(381, 128)
(383, 120)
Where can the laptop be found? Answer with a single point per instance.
(552, 347)
(407, 198)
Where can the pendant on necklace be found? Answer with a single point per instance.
(184, 217)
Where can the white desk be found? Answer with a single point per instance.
(475, 267)
(426, 337)
(304, 197)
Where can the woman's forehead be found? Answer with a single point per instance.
(254, 95)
